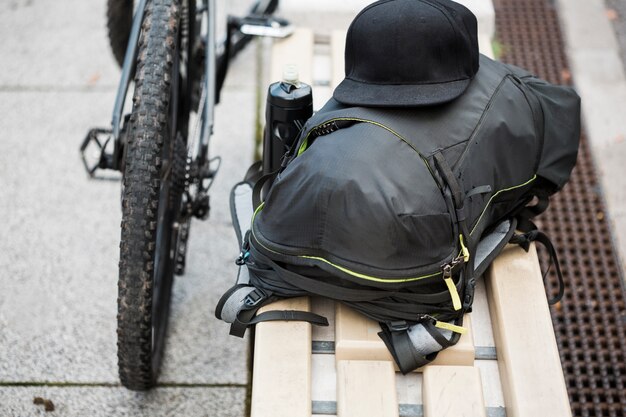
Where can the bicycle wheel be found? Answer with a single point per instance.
(119, 22)
(153, 182)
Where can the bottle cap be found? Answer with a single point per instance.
(290, 74)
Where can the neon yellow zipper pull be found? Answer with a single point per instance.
(447, 277)
(452, 327)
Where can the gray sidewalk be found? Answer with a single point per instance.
(616, 14)
(59, 246)
(593, 52)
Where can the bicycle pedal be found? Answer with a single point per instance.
(93, 151)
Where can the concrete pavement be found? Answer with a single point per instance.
(594, 55)
(59, 246)
(616, 13)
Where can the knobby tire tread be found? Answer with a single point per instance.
(142, 177)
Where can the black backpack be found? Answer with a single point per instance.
(397, 211)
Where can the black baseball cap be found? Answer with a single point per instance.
(406, 53)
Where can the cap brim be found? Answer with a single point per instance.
(357, 93)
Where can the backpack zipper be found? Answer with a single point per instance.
(339, 267)
(332, 125)
(446, 271)
(494, 196)
(481, 119)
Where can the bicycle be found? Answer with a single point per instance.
(169, 48)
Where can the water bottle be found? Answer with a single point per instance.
(289, 106)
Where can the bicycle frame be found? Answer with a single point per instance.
(211, 64)
(128, 68)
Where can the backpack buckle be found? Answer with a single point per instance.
(242, 258)
(254, 298)
(398, 325)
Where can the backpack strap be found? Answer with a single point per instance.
(491, 244)
(415, 346)
(248, 318)
(254, 172)
(524, 240)
(232, 302)
(240, 209)
(240, 304)
(468, 244)
(258, 187)
(269, 274)
(526, 213)
(482, 189)
(404, 354)
(533, 234)
(455, 189)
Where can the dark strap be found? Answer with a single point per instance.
(407, 310)
(483, 189)
(334, 291)
(450, 180)
(401, 310)
(404, 353)
(436, 334)
(524, 240)
(407, 357)
(254, 173)
(525, 215)
(258, 188)
(379, 305)
(396, 338)
(234, 215)
(543, 201)
(247, 318)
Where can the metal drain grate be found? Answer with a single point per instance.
(591, 320)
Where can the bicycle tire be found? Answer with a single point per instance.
(119, 22)
(151, 198)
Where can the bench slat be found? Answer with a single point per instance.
(452, 391)
(366, 388)
(528, 358)
(281, 381)
(481, 321)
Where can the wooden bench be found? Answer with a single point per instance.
(506, 365)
